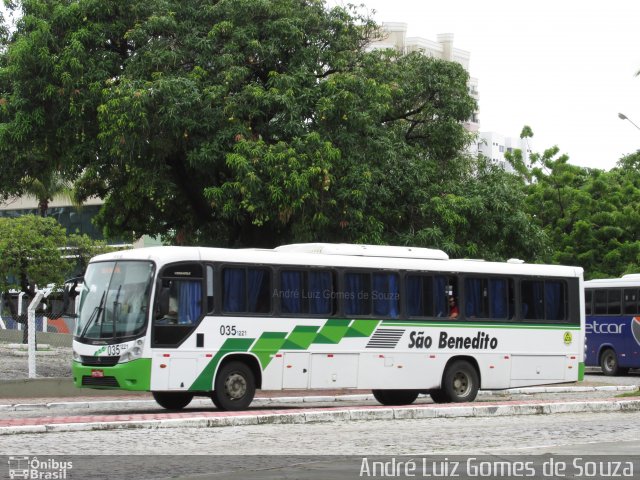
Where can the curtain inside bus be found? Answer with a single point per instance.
(498, 298)
(291, 289)
(385, 295)
(190, 302)
(554, 301)
(355, 295)
(320, 293)
(234, 290)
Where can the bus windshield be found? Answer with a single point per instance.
(114, 300)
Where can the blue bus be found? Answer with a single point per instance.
(612, 315)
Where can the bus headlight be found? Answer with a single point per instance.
(131, 354)
(76, 356)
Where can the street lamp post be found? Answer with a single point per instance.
(622, 116)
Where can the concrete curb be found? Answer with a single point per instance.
(338, 415)
(265, 401)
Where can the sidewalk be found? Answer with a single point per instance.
(302, 414)
(55, 405)
(47, 390)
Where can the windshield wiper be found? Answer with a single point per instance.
(95, 315)
(116, 313)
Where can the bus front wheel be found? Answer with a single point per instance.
(234, 387)
(395, 397)
(460, 382)
(609, 363)
(173, 400)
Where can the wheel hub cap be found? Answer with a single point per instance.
(235, 386)
(460, 383)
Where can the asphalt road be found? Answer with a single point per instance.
(274, 451)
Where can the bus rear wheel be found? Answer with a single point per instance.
(395, 397)
(460, 382)
(609, 363)
(234, 387)
(173, 400)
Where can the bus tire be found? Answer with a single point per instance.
(395, 397)
(215, 401)
(609, 363)
(234, 387)
(439, 396)
(173, 400)
(460, 382)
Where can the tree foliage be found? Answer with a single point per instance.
(30, 253)
(250, 123)
(232, 122)
(591, 217)
(36, 251)
(483, 217)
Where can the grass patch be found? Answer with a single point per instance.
(634, 393)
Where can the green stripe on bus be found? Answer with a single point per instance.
(204, 382)
(268, 344)
(362, 328)
(333, 331)
(301, 337)
(581, 371)
(402, 323)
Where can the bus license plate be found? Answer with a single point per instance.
(97, 373)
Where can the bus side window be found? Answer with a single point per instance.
(179, 303)
(600, 302)
(613, 301)
(386, 295)
(189, 301)
(321, 292)
(555, 300)
(443, 289)
(588, 294)
(246, 290)
(291, 293)
(419, 294)
(357, 293)
(630, 302)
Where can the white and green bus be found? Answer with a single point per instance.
(188, 321)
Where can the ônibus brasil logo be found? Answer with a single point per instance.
(32, 467)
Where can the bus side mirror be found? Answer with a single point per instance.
(70, 291)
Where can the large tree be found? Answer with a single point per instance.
(244, 122)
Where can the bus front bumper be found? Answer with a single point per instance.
(134, 375)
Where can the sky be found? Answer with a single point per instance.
(566, 68)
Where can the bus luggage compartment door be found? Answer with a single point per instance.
(330, 370)
(295, 370)
(538, 367)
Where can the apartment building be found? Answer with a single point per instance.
(395, 36)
